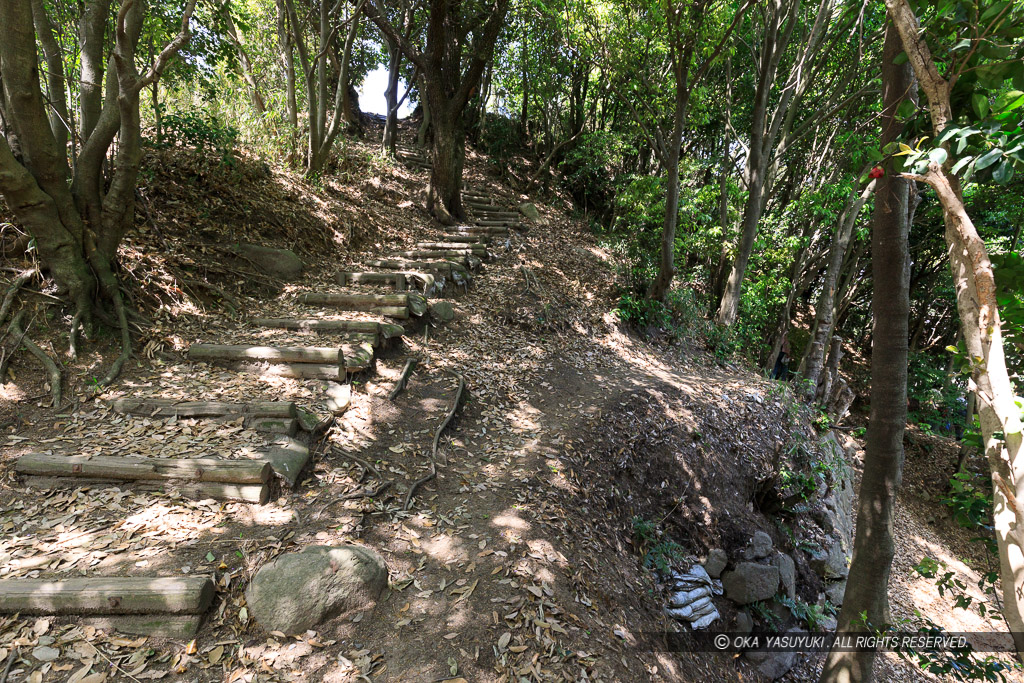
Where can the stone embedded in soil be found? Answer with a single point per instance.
(744, 623)
(760, 546)
(441, 312)
(281, 263)
(835, 592)
(529, 209)
(830, 563)
(297, 591)
(715, 564)
(787, 573)
(773, 665)
(750, 582)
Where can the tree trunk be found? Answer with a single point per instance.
(867, 588)
(979, 317)
(284, 37)
(824, 310)
(444, 199)
(391, 96)
(243, 59)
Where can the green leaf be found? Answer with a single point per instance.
(901, 58)
(1003, 172)
(938, 155)
(960, 165)
(980, 104)
(210, 557)
(991, 157)
(993, 11)
(1009, 101)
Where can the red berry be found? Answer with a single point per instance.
(876, 172)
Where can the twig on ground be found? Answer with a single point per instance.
(437, 437)
(10, 662)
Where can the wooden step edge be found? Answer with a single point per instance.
(269, 354)
(163, 408)
(258, 494)
(189, 595)
(131, 468)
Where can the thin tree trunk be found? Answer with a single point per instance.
(867, 587)
(243, 59)
(824, 311)
(391, 96)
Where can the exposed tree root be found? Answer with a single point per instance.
(437, 438)
(51, 367)
(12, 291)
(365, 492)
(76, 324)
(403, 379)
(126, 342)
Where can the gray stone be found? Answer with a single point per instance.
(339, 397)
(773, 665)
(835, 592)
(777, 664)
(744, 622)
(441, 312)
(830, 563)
(750, 582)
(787, 573)
(529, 209)
(281, 263)
(760, 546)
(297, 591)
(715, 564)
(828, 624)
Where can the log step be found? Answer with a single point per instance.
(475, 249)
(275, 354)
(176, 626)
(467, 239)
(107, 595)
(149, 469)
(380, 331)
(498, 222)
(258, 494)
(397, 280)
(392, 305)
(456, 254)
(478, 230)
(334, 372)
(161, 407)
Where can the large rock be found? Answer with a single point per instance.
(830, 563)
(441, 312)
(773, 665)
(283, 264)
(529, 209)
(715, 564)
(297, 591)
(835, 592)
(750, 582)
(760, 546)
(787, 573)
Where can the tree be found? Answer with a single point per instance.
(680, 34)
(77, 216)
(314, 66)
(995, 24)
(776, 125)
(867, 587)
(457, 34)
